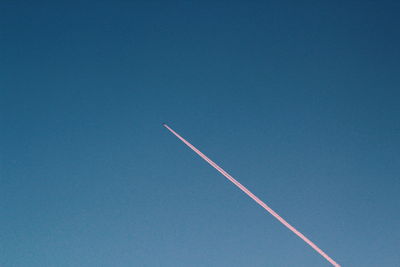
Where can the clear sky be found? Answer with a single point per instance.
(298, 101)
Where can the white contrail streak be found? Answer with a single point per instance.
(255, 198)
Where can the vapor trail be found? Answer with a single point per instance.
(255, 198)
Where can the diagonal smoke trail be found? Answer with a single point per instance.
(255, 198)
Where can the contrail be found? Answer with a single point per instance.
(255, 198)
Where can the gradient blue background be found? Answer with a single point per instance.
(298, 101)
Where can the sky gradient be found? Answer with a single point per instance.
(298, 101)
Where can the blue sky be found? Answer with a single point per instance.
(298, 101)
